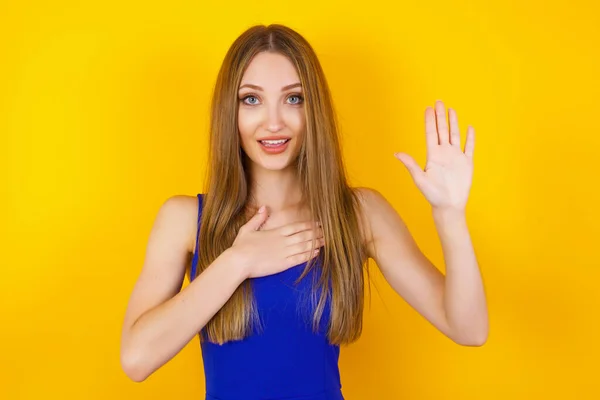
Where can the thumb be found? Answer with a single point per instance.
(257, 219)
(411, 165)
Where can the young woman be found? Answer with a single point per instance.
(276, 246)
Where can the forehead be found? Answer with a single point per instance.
(272, 71)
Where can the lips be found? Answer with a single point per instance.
(275, 145)
(274, 137)
(272, 143)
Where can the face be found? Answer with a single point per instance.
(271, 112)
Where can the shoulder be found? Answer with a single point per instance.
(375, 211)
(179, 214)
(368, 197)
(180, 206)
(375, 207)
(368, 200)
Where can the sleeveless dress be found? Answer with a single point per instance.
(285, 359)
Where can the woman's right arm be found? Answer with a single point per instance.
(161, 318)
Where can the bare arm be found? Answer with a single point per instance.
(455, 304)
(161, 318)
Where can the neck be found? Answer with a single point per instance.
(278, 190)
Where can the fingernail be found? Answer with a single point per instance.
(261, 209)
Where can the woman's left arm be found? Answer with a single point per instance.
(454, 303)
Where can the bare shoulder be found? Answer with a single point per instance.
(375, 210)
(373, 203)
(180, 213)
(367, 200)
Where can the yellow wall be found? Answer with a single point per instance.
(103, 115)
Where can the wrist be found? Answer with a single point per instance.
(448, 213)
(449, 220)
(237, 263)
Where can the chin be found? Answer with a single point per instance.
(272, 165)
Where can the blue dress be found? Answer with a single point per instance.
(285, 359)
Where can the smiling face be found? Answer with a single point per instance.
(271, 117)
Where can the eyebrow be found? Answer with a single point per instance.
(255, 87)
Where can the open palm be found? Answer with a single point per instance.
(446, 179)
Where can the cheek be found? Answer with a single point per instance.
(247, 125)
(296, 120)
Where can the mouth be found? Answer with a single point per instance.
(274, 146)
(274, 143)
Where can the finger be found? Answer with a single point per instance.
(303, 247)
(257, 219)
(295, 227)
(411, 165)
(316, 233)
(315, 243)
(301, 258)
(442, 125)
(303, 236)
(454, 131)
(310, 245)
(431, 137)
(470, 143)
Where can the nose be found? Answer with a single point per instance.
(274, 120)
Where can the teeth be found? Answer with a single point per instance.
(274, 142)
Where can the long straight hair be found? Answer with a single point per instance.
(325, 191)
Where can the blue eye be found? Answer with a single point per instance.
(248, 97)
(299, 101)
(300, 98)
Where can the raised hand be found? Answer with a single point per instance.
(446, 179)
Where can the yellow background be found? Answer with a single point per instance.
(103, 115)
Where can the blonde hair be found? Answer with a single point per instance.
(325, 191)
